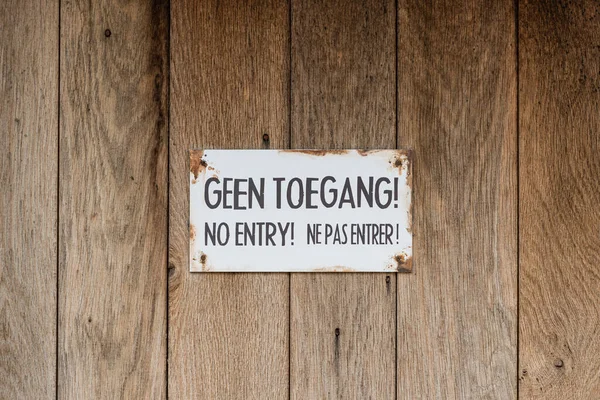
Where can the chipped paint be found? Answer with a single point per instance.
(403, 262)
(302, 256)
(337, 268)
(203, 262)
(318, 153)
(197, 163)
(364, 152)
(192, 233)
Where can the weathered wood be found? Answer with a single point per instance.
(457, 314)
(228, 333)
(559, 124)
(28, 176)
(343, 96)
(113, 200)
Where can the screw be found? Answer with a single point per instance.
(107, 33)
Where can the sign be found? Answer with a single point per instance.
(300, 210)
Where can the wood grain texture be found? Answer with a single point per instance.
(457, 314)
(28, 182)
(228, 333)
(113, 200)
(343, 96)
(559, 90)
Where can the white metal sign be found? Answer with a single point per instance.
(300, 210)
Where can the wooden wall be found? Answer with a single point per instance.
(100, 102)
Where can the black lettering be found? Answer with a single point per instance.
(344, 228)
(238, 233)
(313, 232)
(389, 231)
(328, 231)
(220, 240)
(283, 229)
(309, 192)
(249, 234)
(258, 194)
(364, 192)
(270, 230)
(209, 233)
(300, 193)
(210, 205)
(374, 234)
(337, 235)
(332, 191)
(260, 232)
(387, 193)
(226, 192)
(347, 196)
(278, 190)
(237, 192)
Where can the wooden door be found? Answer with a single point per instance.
(101, 101)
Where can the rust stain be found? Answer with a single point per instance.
(403, 160)
(404, 262)
(192, 233)
(203, 258)
(365, 152)
(318, 153)
(197, 164)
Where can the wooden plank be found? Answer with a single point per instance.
(559, 124)
(457, 314)
(343, 96)
(28, 176)
(228, 333)
(113, 194)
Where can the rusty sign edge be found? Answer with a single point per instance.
(403, 260)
